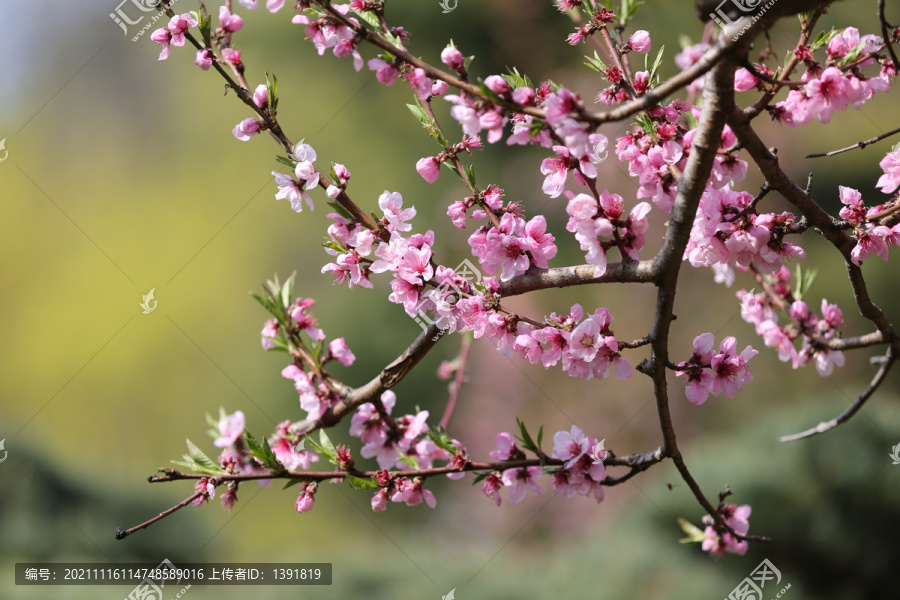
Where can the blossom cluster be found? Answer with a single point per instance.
(716, 372)
(813, 331)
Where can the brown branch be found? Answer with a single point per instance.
(458, 380)
(542, 279)
(859, 145)
(718, 97)
(624, 111)
(884, 34)
(845, 416)
(122, 534)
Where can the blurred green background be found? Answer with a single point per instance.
(123, 176)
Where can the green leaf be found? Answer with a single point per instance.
(263, 452)
(694, 534)
(205, 24)
(442, 440)
(339, 209)
(517, 80)
(527, 442)
(369, 17)
(595, 63)
(480, 477)
(291, 164)
(655, 69)
(292, 483)
(324, 447)
(822, 39)
(197, 455)
(287, 290)
(420, 114)
(468, 61)
(410, 461)
(272, 89)
(363, 485)
(540, 436)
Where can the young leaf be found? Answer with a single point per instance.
(363, 485)
(292, 482)
(694, 534)
(410, 461)
(442, 440)
(527, 442)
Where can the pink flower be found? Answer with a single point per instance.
(178, 25)
(385, 72)
(452, 57)
(731, 370)
(306, 499)
(429, 168)
(340, 352)
(391, 203)
(890, 164)
(231, 428)
(269, 334)
(570, 446)
(229, 497)
(491, 487)
(640, 41)
(162, 36)
(379, 500)
(246, 129)
(520, 481)
(507, 447)
(230, 23)
(736, 517)
(744, 80)
(412, 493)
(293, 191)
(204, 58)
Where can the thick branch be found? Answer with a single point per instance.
(541, 279)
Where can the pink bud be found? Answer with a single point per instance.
(497, 84)
(261, 96)
(640, 41)
(429, 169)
(246, 129)
(439, 88)
(523, 95)
(452, 57)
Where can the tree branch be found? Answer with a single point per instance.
(845, 416)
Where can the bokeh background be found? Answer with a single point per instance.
(123, 176)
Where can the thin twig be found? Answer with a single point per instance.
(845, 416)
(458, 380)
(122, 534)
(859, 145)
